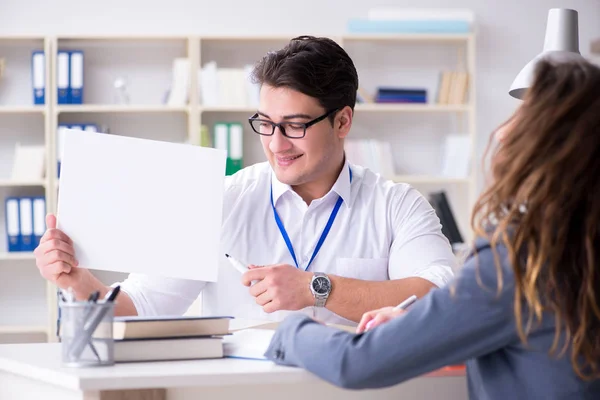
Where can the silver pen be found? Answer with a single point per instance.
(406, 303)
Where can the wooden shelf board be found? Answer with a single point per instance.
(117, 108)
(17, 255)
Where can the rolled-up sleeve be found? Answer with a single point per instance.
(419, 248)
(153, 296)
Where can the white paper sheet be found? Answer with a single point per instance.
(145, 206)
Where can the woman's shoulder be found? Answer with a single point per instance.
(488, 266)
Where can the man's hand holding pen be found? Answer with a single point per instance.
(279, 287)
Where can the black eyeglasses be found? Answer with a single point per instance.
(292, 130)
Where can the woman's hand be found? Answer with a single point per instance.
(375, 318)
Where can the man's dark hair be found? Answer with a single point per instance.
(315, 66)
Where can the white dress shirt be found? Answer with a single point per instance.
(383, 230)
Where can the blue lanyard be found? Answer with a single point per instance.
(286, 238)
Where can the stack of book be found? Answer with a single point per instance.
(169, 338)
(400, 95)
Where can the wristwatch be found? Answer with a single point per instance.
(320, 286)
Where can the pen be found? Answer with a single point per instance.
(92, 323)
(237, 264)
(402, 306)
(93, 298)
(406, 303)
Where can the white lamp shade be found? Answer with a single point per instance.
(561, 44)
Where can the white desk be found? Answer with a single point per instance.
(33, 371)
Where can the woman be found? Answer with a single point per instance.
(525, 310)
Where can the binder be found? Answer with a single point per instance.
(26, 223)
(38, 77)
(235, 157)
(39, 219)
(60, 134)
(441, 205)
(62, 77)
(13, 232)
(90, 128)
(221, 141)
(76, 77)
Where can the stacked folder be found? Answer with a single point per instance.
(69, 77)
(400, 95)
(25, 222)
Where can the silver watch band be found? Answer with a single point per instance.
(320, 301)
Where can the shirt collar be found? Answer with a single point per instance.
(341, 186)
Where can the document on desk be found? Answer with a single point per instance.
(248, 343)
(142, 206)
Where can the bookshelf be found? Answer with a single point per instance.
(146, 64)
(23, 309)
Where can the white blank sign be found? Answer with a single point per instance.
(142, 206)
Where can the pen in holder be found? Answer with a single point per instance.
(86, 332)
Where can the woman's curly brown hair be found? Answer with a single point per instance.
(543, 203)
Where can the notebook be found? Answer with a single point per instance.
(169, 326)
(250, 339)
(167, 349)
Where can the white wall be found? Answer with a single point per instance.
(510, 32)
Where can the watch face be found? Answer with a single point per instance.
(321, 285)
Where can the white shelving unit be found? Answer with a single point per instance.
(20, 255)
(146, 64)
(109, 108)
(23, 311)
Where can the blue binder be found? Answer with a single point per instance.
(13, 231)
(26, 223)
(63, 77)
(76, 77)
(39, 219)
(38, 77)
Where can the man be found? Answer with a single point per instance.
(323, 236)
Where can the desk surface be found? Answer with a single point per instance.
(42, 362)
